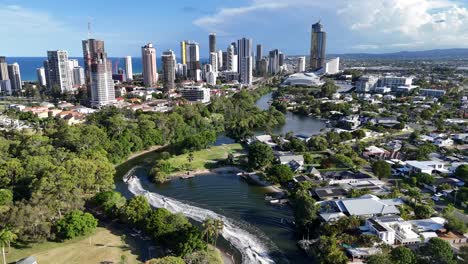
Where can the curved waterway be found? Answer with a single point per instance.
(261, 233)
(303, 125)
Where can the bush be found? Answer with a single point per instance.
(76, 223)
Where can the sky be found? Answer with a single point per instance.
(31, 27)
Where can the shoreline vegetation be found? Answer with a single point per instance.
(71, 164)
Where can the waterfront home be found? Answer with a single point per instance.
(266, 139)
(350, 122)
(295, 162)
(392, 230)
(365, 206)
(329, 193)
(343, 177)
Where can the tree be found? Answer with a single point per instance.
(136, 210)
(6, 237)
(260, 155)
(76, 223)
(462, 172)
(379, 259)
(403, 255)
(166, 260)
(110, 202)
(423, 211)
(190, 157)
(437, 251)
(327, 251)
(328, 89)
(359, 134)
(305, 209)
(427, 114)
(423, 151)
(280, 173)
(318, 143)
(211, 229)
(424, 178)
(382, 169)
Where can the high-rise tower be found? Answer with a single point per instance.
(57, 70)
(129, 68)
(212, 40)
(98, 71)
(169, 64)
(150, 72)
(244, 60)
(317, 47)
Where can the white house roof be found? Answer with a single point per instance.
(288, 158)
(431, 224)
(369, 205)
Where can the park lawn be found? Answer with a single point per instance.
(205, 159)
(104, 246)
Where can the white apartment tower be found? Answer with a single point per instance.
(57, 70)
(129, 68)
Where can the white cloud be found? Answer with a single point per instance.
(408, 23)
(225, 16)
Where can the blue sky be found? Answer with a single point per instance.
(30, 27)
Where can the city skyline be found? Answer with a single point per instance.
(352, 28)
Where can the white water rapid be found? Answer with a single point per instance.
(251, 248)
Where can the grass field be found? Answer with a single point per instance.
(101, 246)
(205, 159)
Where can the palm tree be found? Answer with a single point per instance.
(218, 228)
(212, 229)
(208, 229)
(190, 157)
(6, 236)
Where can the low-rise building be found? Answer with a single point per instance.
(196, 94)
(432, 92)
(428, 167)
(392, 230)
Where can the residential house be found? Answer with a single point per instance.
(329, 193)
(295, 162)
(428, 167)
(392, 230)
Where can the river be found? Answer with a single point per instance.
(303, 125)
(255, 232)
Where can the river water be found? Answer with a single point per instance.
(260, 232)
(297, 124)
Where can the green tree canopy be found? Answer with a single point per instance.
(260, 155)
(76, 223)
(382, 169)
(280, 173)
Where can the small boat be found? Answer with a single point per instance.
(279, 201)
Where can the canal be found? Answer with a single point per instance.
(263, 233)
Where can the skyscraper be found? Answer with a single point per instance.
(231, 65)
(220, 60)
(41, 77)
(98, 69)
(3, 69)
(244, 47)
(57, 70)
(192, 54)
(212, 40)
(234, 44)
(273, 64)
(317, 47)
(259, 54)
(150, 72)
(15, 77)
(169, 67)
(129, 68)
(301, 64)
(281, 58)
(214, 61)
(78, 76)
(246, 76)
(183, 50)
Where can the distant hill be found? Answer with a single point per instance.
(425, 54)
